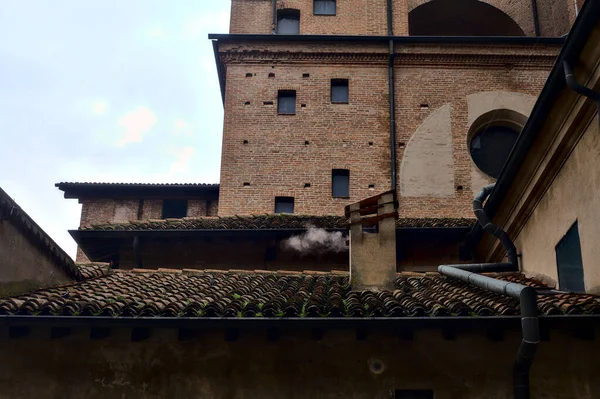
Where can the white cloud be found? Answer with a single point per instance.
(183, 157)
(99, 107)
(181, 128)
(136, 123)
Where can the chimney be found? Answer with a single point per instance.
(373, 253)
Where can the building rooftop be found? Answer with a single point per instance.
(90, 189)
(251, 294)
(265, 222)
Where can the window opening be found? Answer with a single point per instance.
(284, 204)
(286, 102)
(569, 261)
(288, 22)
(174, 209)
(324, 7)
(339, 91)
(340, 183)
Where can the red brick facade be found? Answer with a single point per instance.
(266, 155)
(360, 17)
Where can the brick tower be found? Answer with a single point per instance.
(327, 101)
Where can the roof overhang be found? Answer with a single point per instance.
(138, 190)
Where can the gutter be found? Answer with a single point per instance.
(526, 295)
(568, 322)
(396, 39)
(575, 41)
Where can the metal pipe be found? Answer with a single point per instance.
(487, 225)
(578, 88)
(274, 23)
(391, 90)
(527, 296)
(536, 17)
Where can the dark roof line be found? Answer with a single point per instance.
(137, 190)
(574, 44)
(63, 185)
(397, 39)
(11, 211)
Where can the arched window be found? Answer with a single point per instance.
(490, 148)
(492, 137)
(288, 22)
(461, 18)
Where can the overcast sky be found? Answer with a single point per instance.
(106, 91)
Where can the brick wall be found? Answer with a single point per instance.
(98, 211)
(269, 152)
(369, 17)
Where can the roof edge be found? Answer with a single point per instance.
(576, 40)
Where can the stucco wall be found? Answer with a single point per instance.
(22, 266)
(295, 366)
(573, 196)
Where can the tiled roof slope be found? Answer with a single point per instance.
(265, 222)
(192, 293)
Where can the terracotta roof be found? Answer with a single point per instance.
(212, 293)
(265, 222)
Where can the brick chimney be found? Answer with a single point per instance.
(373, 242)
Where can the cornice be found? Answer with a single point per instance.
(423, 59)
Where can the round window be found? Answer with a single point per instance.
(491, 146)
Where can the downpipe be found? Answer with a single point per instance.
(391, 80)
(578, 88)
(526, 295)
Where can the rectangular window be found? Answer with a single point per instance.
(570, 262)
(174, 208)
(286, 102)
(339, 91)
(413, 394)
(324, 7)
(284, 204)
(288, 22)
(340, 183)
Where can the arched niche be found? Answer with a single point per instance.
(461, 18)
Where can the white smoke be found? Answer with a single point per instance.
(316, 240)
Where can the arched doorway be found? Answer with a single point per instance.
(461, 18)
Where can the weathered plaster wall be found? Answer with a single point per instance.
(573, 196)
(23, 267)
(470, 367)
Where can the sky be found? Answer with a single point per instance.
(106, 91)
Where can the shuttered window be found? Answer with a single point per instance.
(570, 262)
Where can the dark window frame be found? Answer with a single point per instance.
(287, 94)
(569, 261)
(340, 83)
(326, 14)
(283, 201)
(338, 175)
(290, 14)
(172, 208)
